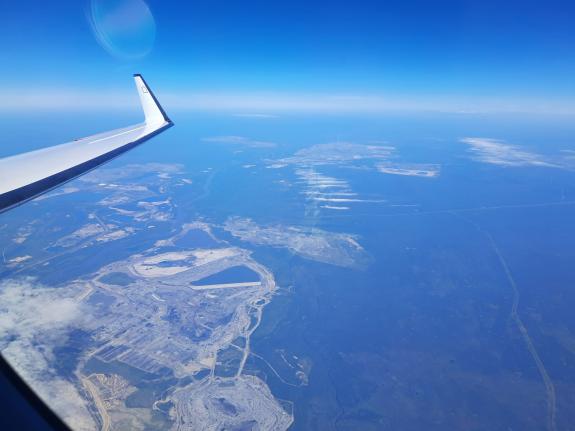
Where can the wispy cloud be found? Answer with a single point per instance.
(240, 140)
(257, 116)
(498, 152)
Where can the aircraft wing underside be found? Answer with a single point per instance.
(26, 176)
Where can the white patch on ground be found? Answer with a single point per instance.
(23, 234)
(331, 207)
(338, 153)
(339, 249)
(276, 166)
(109, 175)
(411, 170)
(20, 259)
(58, 192)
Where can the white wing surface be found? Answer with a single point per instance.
(25, 176)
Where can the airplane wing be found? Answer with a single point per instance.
(26, 176)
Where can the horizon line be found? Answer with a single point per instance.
(267, 102)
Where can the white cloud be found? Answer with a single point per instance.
(240, 140)
(258, 116)
(500, 153)
(26, 309)
(31, 363)
(33, 321)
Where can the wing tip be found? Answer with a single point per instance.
(158, 105)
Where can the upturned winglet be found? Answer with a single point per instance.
(153, 111)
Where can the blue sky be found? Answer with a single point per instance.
(449, 54)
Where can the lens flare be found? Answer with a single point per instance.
(124, 28)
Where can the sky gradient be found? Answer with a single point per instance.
(409, 54)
